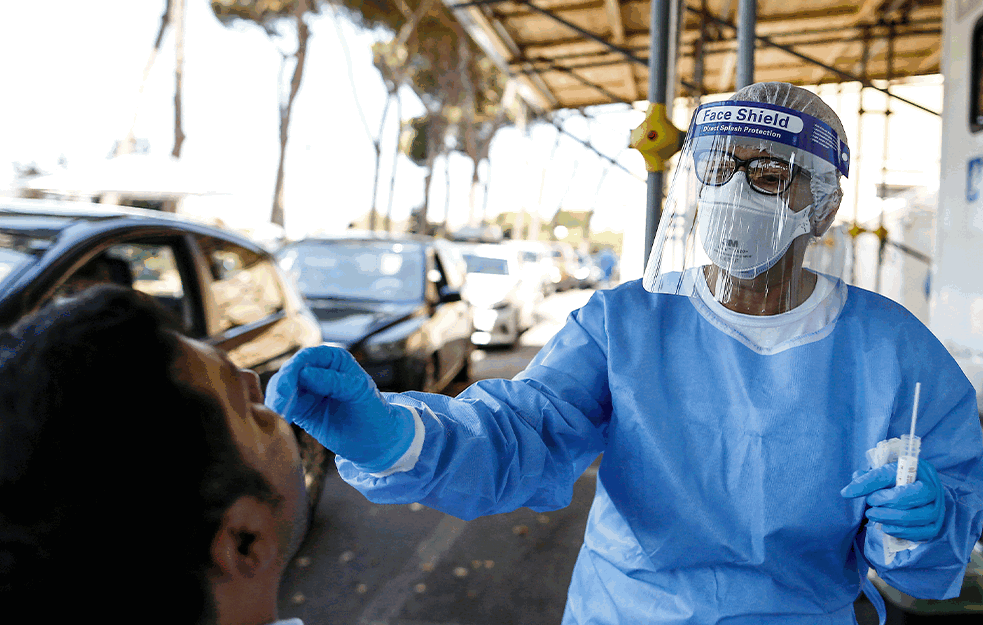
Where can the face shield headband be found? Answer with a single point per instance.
(757, 120)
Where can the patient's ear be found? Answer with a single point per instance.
(246, 542)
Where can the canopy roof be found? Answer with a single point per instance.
(576, 53)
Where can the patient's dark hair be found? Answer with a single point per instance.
(113, 476)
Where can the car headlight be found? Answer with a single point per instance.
(376, 349)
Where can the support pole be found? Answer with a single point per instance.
(699, 58)
(658, 55)
(857, 155)
(747, 20)
(881, 232)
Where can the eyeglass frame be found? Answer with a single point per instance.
(742, 163)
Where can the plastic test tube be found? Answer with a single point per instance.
(907, 472)
(908, 461)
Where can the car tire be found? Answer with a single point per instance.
(464, 373)
(314, 458)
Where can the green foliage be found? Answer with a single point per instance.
(261, 12)
(371, 14)
(416, 137)
(429, 60)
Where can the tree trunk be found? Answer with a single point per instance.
(468, 112)
(447, 193)
(436, 131)
(409, 28)
(484, 199)
(128, 143)
(473, 191)
(422, 219)
(303, 34)
(392, 178)
(177, 18)
(377, 147)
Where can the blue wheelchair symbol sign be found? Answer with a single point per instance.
(974, 178)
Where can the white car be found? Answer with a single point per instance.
(503, 294)
(537, 259)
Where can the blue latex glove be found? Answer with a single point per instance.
(913, 511)
(325, 391)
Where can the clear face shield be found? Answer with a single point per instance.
(755, 183)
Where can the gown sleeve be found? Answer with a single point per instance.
(953, 443)
(505, 444)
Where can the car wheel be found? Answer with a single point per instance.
(464, 373)
(314, 458)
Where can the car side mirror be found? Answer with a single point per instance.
(447, 296)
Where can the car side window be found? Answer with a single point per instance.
(438, 276)
(148, 267)
(244, 283)
(435, 279)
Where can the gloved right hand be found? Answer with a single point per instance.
(913, 511)
(325, 391)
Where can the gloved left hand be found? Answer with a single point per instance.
(325, 391)
(912, 511)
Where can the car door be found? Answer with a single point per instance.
(246, 309)
(450, 318)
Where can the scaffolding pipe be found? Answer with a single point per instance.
(842, 74)
(551, 66)
(658, 57)
(747, 20)
(881, 234)
(857, 155)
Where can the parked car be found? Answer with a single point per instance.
(505, 295)
(537, 258)
(589, 274)
(566, 262)
(224, 289)
(393, 301)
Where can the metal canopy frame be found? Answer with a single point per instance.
(577, 53)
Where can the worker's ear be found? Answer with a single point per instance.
(823, 215)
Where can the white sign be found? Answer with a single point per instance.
(750, 115)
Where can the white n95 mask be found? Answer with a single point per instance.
(745, 232)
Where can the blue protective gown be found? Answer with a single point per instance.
(718, 495)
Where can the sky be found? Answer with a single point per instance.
(71, 80)
(78, 73)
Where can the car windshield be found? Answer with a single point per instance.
(484, 264)
(373, 270)
(17, 251)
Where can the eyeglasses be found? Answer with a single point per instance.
(765, 174)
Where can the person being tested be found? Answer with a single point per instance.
(734, 392)
(142, 480)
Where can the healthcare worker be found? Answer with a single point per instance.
(733, 392)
